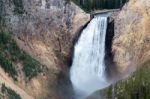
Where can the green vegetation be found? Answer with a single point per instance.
(18, 7)
(1, 22)
(89, 5)
(135, 87)
(31, 67)
(8, 67)
(10, 53)
(11, 94)
(5, 62)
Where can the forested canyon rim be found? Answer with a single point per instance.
(90, 5)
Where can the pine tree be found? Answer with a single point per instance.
(89, 5)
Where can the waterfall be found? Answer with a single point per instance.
(87, 72)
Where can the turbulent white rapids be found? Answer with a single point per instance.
(88, 69)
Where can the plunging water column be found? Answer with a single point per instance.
(88, 69)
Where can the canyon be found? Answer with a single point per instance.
(48, 29)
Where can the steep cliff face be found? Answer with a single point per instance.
(131, 44)
(45, 29)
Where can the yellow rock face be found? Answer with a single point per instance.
(131, 45)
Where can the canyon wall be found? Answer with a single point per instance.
(45, 29)
(131, 42)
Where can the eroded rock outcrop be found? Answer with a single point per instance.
(131, 44)
(45, 29)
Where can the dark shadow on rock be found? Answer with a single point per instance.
(111, 69)
(60, 87)
(75, 40)
(65, 85)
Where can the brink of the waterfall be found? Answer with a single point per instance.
(88, 69)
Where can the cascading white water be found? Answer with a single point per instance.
(88, 69)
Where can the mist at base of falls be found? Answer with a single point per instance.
(87, 72)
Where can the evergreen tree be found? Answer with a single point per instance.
(89, 5)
